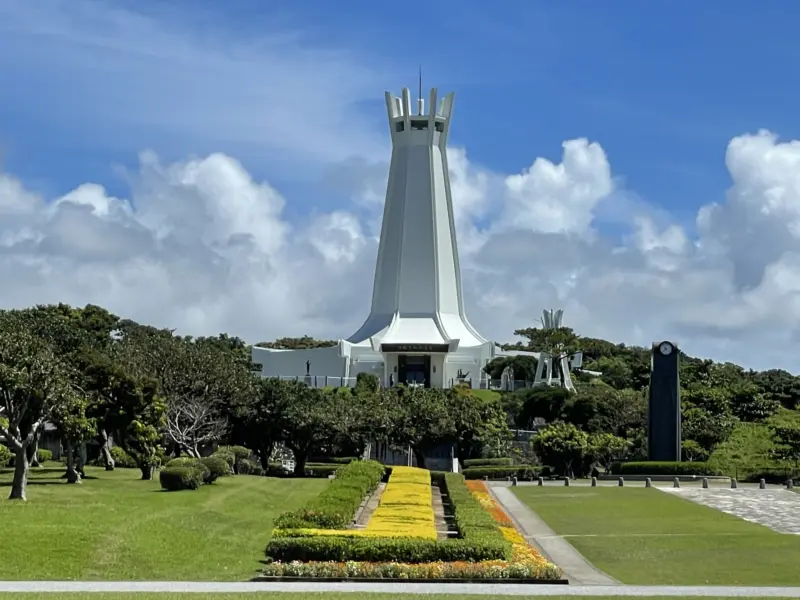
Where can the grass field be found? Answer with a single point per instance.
(644, 536)
(116, 527)
(320, 596)
(486, 394)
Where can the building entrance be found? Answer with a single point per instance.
(414, 369)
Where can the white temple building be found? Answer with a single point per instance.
(417, 330)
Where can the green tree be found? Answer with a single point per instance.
(34, 386)
(306, 422)
(706, 428)
(605, 448)
(562, 446)
(692, 451)
(257, 418)
(524, 367)
(779, 385)
(786, 435)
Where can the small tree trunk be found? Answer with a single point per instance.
(82, 457)
(72, 474)
(300, 460)
(147, 472)
(105, 449)
(18, 486)
(33, 453)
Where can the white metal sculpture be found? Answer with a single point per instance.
(555, 365)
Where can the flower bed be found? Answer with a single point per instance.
(405, 511)
(489, 548)
(521, 551)
(336, 506)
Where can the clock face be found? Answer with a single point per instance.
(665, 348)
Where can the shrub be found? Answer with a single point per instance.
(228, 456)
(337, 504)
(405, 550)
(122, 459)
(248, 467)
(239, 452)
(6, 456)
(500, 472)
(215, 468)
(180, 478)
(663, 468)
(473, 521)
(367, 383)
(191, 463)
(44, 455)
(488, 462)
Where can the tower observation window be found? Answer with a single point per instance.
(419, 125)
(399, 126)
(439, 126)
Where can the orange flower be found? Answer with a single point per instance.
(521, 551)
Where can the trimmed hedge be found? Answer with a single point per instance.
(248, 467)
(320, 469)
(473, 521)
(663, 468)
(335, 507)
(44, 455)
(488, 462)
(215, 468)
(174, 479)
(377, 549)
(191, 463)
(500, 472)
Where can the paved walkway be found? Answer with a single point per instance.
(776, 508)
(455, 589)
(575, 567)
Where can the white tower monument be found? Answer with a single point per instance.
(417, 331)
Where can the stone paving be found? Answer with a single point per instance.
(777, 509)
(398, 588)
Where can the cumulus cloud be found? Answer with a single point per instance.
(203, 246)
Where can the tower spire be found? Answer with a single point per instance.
(419, 96)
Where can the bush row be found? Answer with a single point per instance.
(474, 523)
(7, 456)
(335, 507)
(663, 468)
(186, 473)
(480, 538)
(378, 549)
(488, 462)
(522, 472)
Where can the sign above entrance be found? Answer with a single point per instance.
(415, 347)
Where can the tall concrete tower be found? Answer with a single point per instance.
(417, 297)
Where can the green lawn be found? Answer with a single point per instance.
(644, 536)
(116, 527)
(486, 394)
(319, 596)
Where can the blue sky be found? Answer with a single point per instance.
(268, 124)
(662, 86)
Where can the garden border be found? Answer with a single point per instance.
(398, 580)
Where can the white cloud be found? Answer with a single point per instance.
(202, 246)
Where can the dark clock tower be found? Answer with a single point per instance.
(664, 404)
